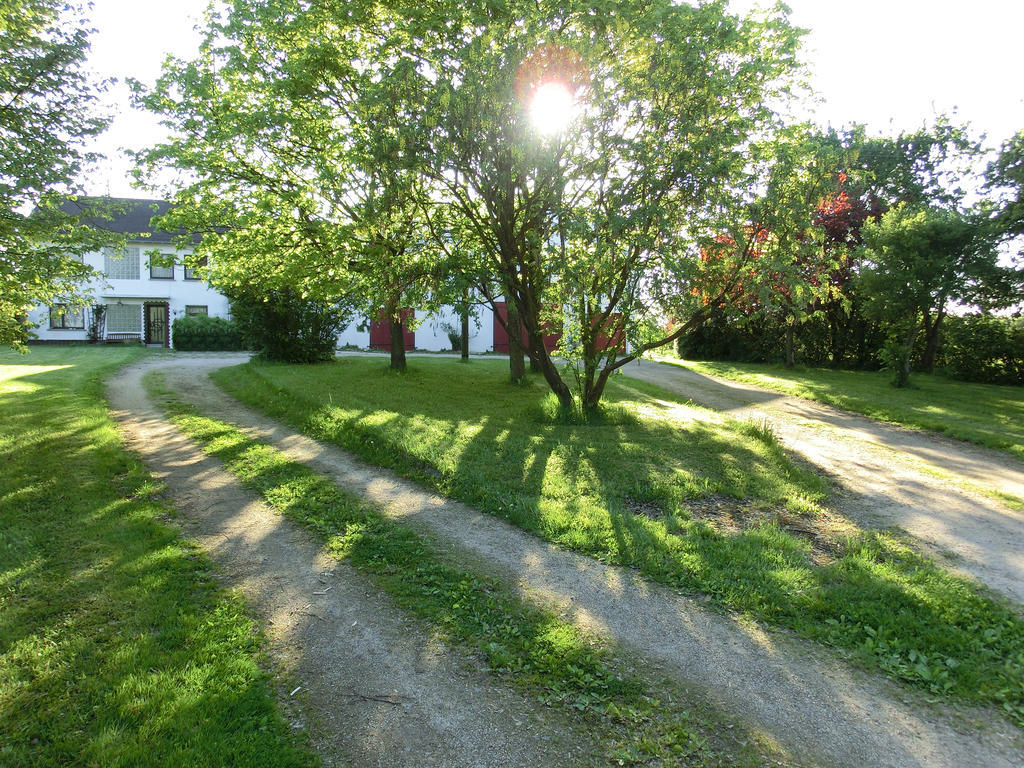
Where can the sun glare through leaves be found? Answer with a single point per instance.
(552, 108)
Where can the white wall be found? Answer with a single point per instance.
(430, 333)
(352, 336)
(180, 293)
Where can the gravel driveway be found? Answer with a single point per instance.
(926, 484)
(792, 693)
(372, 687)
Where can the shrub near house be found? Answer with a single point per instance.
(283, 326)
(206, 334)
(984, 348)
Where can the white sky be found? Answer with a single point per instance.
(892, 64)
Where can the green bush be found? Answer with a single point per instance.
(283, 326)
(978, 348)
(833, 337)
(200, 333)
(733, 338)
(984, 348)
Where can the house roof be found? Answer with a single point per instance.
(125, 215)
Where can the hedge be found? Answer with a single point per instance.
(283, 326)
(200, 333)
(983, 348)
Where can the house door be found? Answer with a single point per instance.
(157, 322)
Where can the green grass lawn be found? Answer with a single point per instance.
(636, 489)
(579, 677)
(116, 646)
(985, 414)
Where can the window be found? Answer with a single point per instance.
(63, 317)
(196, 310)
(124, 318)
(190, 272)
(122, 266)
(159, 271)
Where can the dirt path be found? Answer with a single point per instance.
(376, 689)
(794, 694)
(887, 475)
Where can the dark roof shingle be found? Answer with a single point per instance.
(127, 216)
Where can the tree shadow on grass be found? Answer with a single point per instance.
(116, 646)
(578, 486)
(519, 643)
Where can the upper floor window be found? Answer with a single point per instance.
(63, 317)
(159, 272)
(190, 272)
(123, 266)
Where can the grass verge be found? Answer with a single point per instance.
(116, 646)
(985, 414)
(519, 643)
(663, 488)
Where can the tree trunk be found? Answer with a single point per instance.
(903, 373)
(397, 343)
(550, 371)
(464, 331)
(593, 385)
(931, 341)
(592, 397)
(790, 333)
(516, 361)
(593, 388)
(516, 324)
(837, 335)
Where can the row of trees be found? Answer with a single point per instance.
(883, 237)
(384, 153)
(381, 155)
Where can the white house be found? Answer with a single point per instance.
(142, 293)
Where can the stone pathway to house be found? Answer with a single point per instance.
(884, 475)
(350, 641)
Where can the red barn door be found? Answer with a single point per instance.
(501, 335)
(380, 332)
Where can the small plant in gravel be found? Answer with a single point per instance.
(759, 430)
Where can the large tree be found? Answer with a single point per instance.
(931, 167)
(919, 261)
(1005, 180)
(297, 120)
(591, 225)
(48, 112)
(290, 126)
(797, 269)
